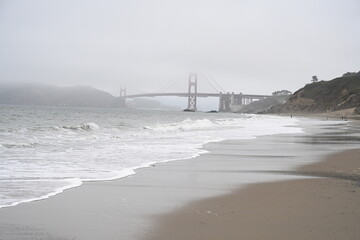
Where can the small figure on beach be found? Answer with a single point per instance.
(343, 117)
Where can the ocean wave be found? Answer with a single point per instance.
(84, 126)
(19, 145)
(185, 125)
(232, 122)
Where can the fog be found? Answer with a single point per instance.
(249, 46)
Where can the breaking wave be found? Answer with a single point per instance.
(84, 126)
(198, 124)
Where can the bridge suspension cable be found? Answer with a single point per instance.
(212, 85)
(217, 84)
(214, 82)
(210, 80)
(166, 87)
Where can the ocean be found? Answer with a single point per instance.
(46, 150)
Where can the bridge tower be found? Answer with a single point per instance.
(122, 92)
(192, 93)
(121, 102)
(225, 102)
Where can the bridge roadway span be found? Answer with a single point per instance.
(193, 94)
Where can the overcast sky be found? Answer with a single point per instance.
(249, 46)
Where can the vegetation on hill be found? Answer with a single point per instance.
(324, 96)
(281, 92)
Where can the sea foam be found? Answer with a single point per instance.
(185, 125)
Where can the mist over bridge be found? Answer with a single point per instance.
(226, 100)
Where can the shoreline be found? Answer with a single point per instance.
(338, 115)
(314, 208)
(117, 209)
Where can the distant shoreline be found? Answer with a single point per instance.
(348, 113)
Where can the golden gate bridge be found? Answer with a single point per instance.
(226, 99)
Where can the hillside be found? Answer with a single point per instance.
(151, 104)
(46, 95)
(324, 96)
(79, 96)
(262, 105)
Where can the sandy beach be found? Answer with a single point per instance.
(320, 208)
(271, 187)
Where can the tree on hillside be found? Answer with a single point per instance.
(314, 79)
(281, 93)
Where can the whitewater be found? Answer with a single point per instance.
(46, 150)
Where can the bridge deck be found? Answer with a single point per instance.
(197, 95)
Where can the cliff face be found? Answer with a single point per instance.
(324, 96)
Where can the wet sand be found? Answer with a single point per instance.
(141, 206)
(317, 208)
